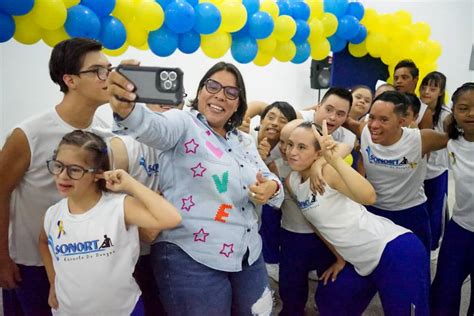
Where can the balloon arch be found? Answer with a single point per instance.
(254, 31)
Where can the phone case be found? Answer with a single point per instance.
(155, 85)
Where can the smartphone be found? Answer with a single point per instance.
(156, 85)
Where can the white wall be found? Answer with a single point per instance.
(25, 87)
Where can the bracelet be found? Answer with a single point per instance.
(277, 190)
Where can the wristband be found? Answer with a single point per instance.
(277, 190)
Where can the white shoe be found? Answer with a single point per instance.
(273, 270)
(313, 275)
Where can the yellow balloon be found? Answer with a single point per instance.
(49, 14)
(267, 45)
(26, 30)
(285, 51)
(403, 17)
(316, 8)
(349, 159)
(370, 19)
(116, 52)
(215, 2)
(386, 24)
(144, 47)
(376, 43)
(316, 30)
(51, 38)
(403, 36)
(215, 45)
(358, 50)
(330, 24)
(262, 59)
(124, 10)
(136, 35)
(149, 15)
(234, 16)
(71, 3)
(422, 30)
(320, 50)
(270, 7)
(285, 28)
(434, 49)
(418, 51)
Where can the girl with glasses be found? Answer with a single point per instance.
(212, 263)
(90, 242)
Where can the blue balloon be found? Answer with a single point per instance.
(82, 22)
(193, 3)
(302, 32)
(244, 49)
(164, 3)
(361, 35)
(348, 27)
(261, 25)
(101, 8)
(337, 43)
(284, 7)
(251, 6)
(180, 16)
(300, 11)
(112, 32)
(208, 18)
(189, 42)
(303, 50)
(7, 27)
(163, 42)
(336, 7)
(243, 32)
(16, 7)
(356, 9)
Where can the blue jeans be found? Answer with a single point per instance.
(270, 232)
(455, 263)
(188, 287)
(31, 296)
(436, 191)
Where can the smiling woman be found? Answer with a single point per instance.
(212, 173)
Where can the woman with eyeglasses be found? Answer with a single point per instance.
(212, 262)
(90, 244)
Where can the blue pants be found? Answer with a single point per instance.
(455, 263)
(436, 191)
(414, 218)
(189, 288)
(139, 309)
(270, 232)
(300, 253)
(401, 278)
(149, 299)
(31, 297)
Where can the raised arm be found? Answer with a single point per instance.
(355, 126)
(14, 162)
(432, 140)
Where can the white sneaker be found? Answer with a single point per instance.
(313, 275)
(273, 270)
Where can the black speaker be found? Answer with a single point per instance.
(321, 73)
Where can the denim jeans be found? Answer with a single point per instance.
(188, 287)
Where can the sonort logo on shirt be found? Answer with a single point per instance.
(150, 169)
(310, 201)
(80, 247)
(392, 163)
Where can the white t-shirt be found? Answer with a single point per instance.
(397, 171)
(438, 160)
(291, 217)
(340, 135)
(144, 166)
(37, 190)
(461, 163)
(94, 256)
(359, 236)
(421, 113)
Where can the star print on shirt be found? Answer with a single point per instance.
(198, 170)
(200, 235)
(227, 250)
(187, 203)
(191, 146)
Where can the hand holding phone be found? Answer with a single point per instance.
(156, 85)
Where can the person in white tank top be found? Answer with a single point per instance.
(456, 256)
(375, 248)
(88, 274)
(80, 69)
(395, 163)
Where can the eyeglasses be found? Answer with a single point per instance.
(214, 87)
(101, 72)
(74, 172)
